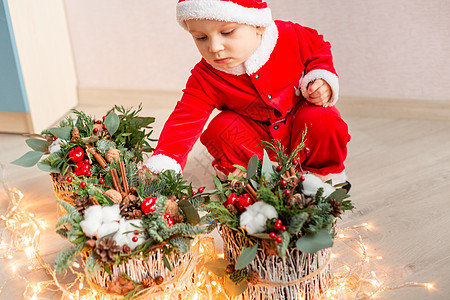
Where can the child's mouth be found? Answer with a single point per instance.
(222, 60)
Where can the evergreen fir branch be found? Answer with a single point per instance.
(62, 232)
(66, 258)
(69, 218)
(104, 145)
(181, 244)
(239, 275)
(69, 208)
(92, 266)
(132, 173)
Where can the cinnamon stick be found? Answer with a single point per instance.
(287, 173)
(123, 173)
(292, 171)
(116, 180)
(249, 189)
(91, 149)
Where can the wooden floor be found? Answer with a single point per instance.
(400, 172)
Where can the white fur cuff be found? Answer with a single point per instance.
(160, 162)
(329, 77)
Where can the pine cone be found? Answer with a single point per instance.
(125, 250)
(159, 280)
(336, 207)
(253, 277)
(132, 210)
(120, 286)
(106, 249)
(148, 281)
(75, 134)
(232, 209)
(82, 203)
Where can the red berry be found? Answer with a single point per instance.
(83, 184)
(201, 189)
(103, 118)
(69, 179)
(183, 198)
(307, 150)
(279, 168)
(135, 239)
(231, 199)
(101, 181)
(88, 173)
(287, 192)
(76, 154)
(99, 122)
(86, 161)
(283, 228)
(283, 183)
(302, 178)
(104, 127)
(194, 193)
(136, 232)
(95, 130)
(277, 226)
(279, 239)
(55, 138)
(166, 216)
(279, 221)
(295, 162)
(243, 201)
(148, 205)
(272, 235)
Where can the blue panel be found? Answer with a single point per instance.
(13, 96)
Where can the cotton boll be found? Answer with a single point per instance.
(246, 219)
(120, 237)
(55, 146)
(268, 211)
(311, 184)
(106, 229)
(94, 213)
(111, 213)
(141, 237)
(257, 225)
(254, 219)
(90, 227)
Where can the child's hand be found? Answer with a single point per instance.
(319, 92)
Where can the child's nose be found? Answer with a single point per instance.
(215, 45)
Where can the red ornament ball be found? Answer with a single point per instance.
(279, 239)
(243, 202)
(283, 183)
(283, 228)
(148, 205)
(231, 199)
(69, 179)
(135, 239)
(201, 189)
(76, 154)
(272, 235)
(101, 181)
(279, 168)
(83, 184)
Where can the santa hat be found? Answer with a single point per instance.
(250, 12)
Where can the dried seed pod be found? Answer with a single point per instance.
(232, 209)
(230, 268)
(253, 277)
(159, 280)
(112, 154)
(126, 250)
(148, 281)
(114, 195)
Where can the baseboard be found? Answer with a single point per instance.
(348, 105)
(158, 99)
(394, 108)
(13, 122)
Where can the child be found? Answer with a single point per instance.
(268, 78)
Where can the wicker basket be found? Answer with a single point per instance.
(176, 285)
(296, 276)
(62, 190)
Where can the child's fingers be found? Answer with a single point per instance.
(321, 99)
(322, 90)
(314, 86)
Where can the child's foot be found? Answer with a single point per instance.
(346, 186)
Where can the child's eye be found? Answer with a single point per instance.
(228, 32)
(200, 38)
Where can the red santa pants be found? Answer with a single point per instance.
(233, 139)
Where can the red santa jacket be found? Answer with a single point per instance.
(264, 88)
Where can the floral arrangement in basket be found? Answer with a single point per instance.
(152, 226)
(273, 208)
(85, 147)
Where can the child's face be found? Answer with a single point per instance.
(224, 44)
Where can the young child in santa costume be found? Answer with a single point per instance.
(268, 78)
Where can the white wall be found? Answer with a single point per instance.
(384, 48)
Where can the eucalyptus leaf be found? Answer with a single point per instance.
(252, 166)
(283, 246)
(234, 290)
(263, 236)
(311, 243)
(217, 183)
(38, 145)
(61, 132)
(29, 159)
(338, 195)
(246, 257)
(254, 184)
(240, 168)
(166, 263)
(217, 266)
(46, 167)
(190, 212)
(112, 122)
(296, 223)
(267, 167)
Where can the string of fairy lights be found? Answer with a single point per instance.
(20, 233)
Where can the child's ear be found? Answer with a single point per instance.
(260, 30)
